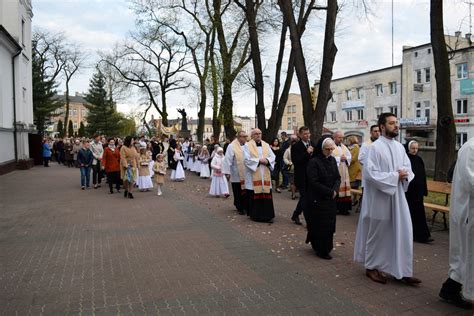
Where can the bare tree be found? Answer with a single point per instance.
(187, 19)
(47, 65)
(234, 54)
(73, 60)
(446, 130)
(155, 63)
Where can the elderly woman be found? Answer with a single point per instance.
(416, 191)
(322, 185)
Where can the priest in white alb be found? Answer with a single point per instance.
(460, 284)
(259, 161)
(384, 238)
(234, 169)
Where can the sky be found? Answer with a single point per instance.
(364, 43)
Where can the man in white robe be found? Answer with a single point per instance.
(259, 161)
(384, 238)
(461, 231)
(234, 169)
(364, 149)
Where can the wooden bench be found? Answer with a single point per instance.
(443, 188)
(433, 186)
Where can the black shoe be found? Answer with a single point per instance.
(111, 192)
(324, 256)
(242, 212)
(130, 195)
(125, 194)
(296, 218)
(455, 299)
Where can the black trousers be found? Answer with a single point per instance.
(113, 178)
(96, 174)
(239, 196)
(46, 161)
(301, 202)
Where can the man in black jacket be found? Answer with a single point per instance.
(301, 153)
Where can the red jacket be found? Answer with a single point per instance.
(111, 160)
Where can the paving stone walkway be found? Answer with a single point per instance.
(67, 251)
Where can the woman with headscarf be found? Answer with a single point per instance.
(322, 186)
(417, 189)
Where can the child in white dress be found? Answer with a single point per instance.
(204, 158)
(219, 182)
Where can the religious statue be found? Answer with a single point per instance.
(184, 122)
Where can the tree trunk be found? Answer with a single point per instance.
(329, 57)
(251, 17)
(300, 63)
(226, 108)
(66, 118)
(164, 114)
(445, 130)
(202, 113)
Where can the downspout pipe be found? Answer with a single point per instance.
(15, 144)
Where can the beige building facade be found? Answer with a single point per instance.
(293, 116)
(77, 113)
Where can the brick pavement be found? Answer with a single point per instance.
(67, 251)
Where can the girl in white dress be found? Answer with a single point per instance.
(219, 182)
(204, 159)
(190, 157)
(197, 162)
(144, 181)
(178, 174)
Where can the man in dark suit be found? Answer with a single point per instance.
(301, 153)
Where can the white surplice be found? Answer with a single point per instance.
(384, 238)
(461, 220)
(252, 164)
(229, 165)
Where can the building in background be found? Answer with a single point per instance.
(419, 104)
(247, 123)
(359, 99)
(16, 98)
(77, 113)
(292, 118)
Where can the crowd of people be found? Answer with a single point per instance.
(319, 174)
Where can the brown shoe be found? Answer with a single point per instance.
(410, 280)
(375, 276)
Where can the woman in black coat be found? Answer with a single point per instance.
(415, 193)
(322, 185)
(171, 162)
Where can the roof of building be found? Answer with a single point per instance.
(72, 98)
(368, 72)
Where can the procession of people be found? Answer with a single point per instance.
(321, 175)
